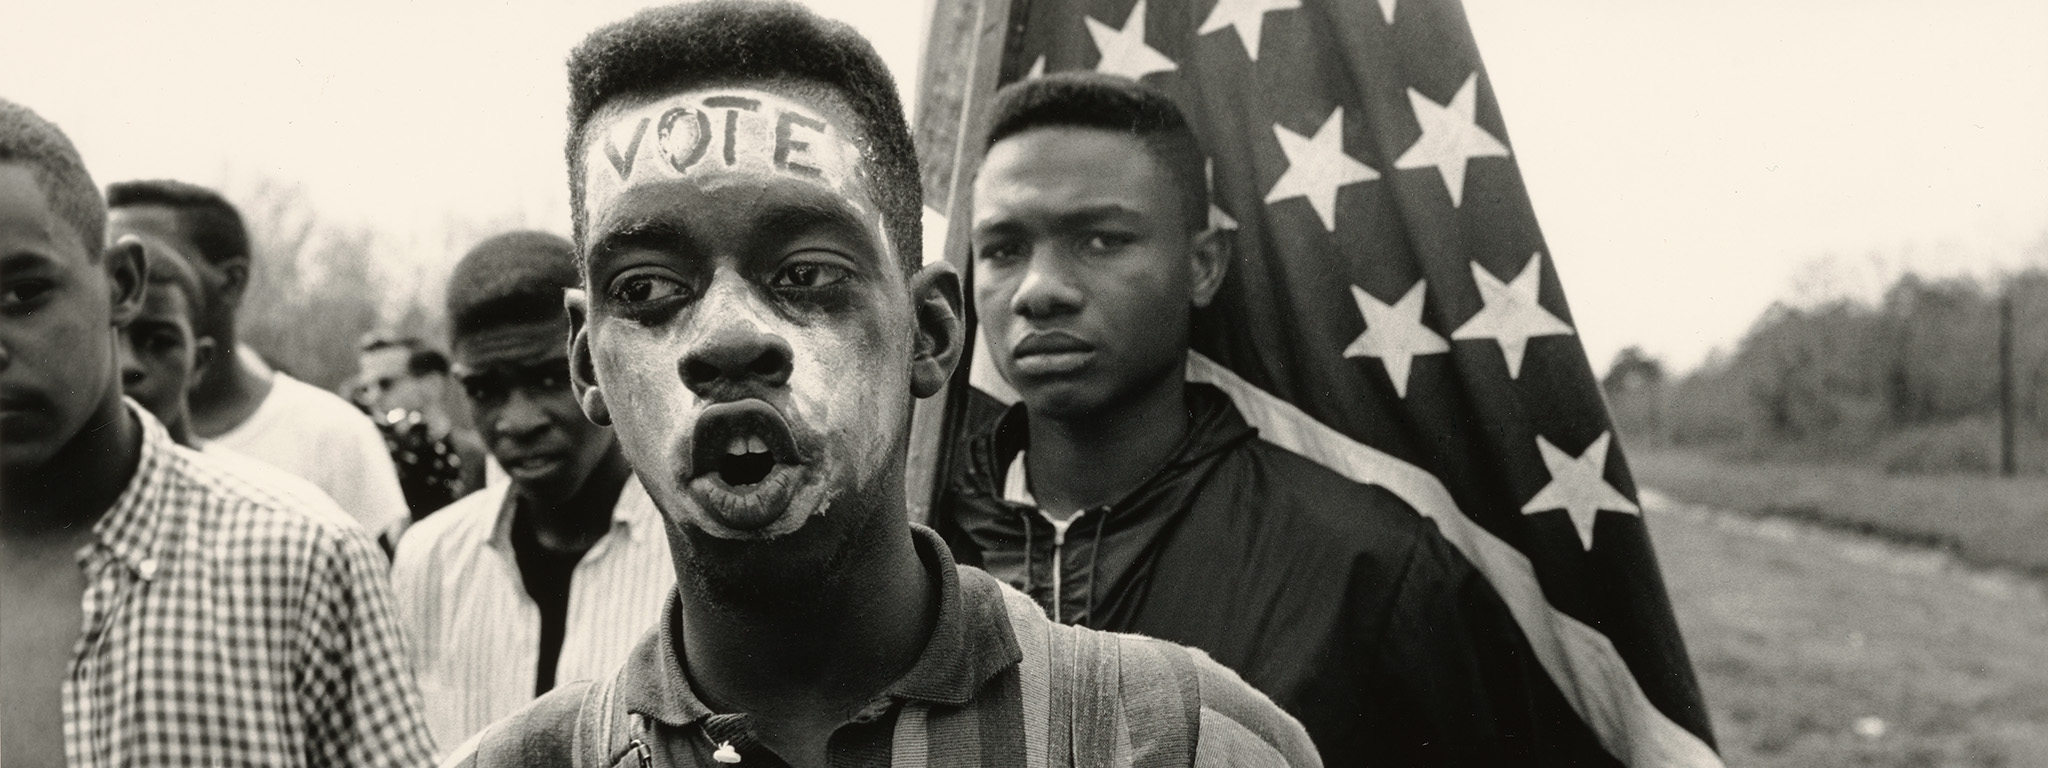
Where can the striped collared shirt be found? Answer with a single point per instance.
(475, 631)
(997, 684)
(227, 625)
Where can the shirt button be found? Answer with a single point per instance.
(147, 567)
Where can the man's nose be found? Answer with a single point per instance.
(1046, 289)
(520, 417)
(736, 353)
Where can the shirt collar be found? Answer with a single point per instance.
(634, 516)
(134, 529)
(1016, 484)
(970, 644)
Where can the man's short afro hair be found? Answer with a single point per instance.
(1082, 99)
(170, 266)
(516, 278)
(721, 41)
(29, 140)
(211, 222)
(420, 358)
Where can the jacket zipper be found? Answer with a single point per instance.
(1059, 542)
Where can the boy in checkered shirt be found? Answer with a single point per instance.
(161, 608)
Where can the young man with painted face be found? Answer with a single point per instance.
(239, 402)
(1122, 497)
(161, 609)
(565, 565)
(757, 327)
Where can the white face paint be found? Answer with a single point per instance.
(709, 133)
(738, 264)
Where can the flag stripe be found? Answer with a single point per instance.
(1583, 662)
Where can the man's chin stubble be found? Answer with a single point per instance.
(788, 572)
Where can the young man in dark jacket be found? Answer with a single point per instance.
(1121, 497)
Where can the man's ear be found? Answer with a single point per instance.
(582, 371)
(234, 280)
(935, 299)
(127, 278)
(1209, 261)
(203, 349)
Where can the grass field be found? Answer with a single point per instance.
(1821, 647)
(1986, 521)
(1815, 651)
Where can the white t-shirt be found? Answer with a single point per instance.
(316, 435)
(296, 490)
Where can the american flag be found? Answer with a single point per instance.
(1393, 312)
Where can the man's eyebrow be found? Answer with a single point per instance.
(799, 218)
(25, 260)
(1094, 214)
(648, 234)
(1068, 219)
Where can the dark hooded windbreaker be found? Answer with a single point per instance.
(1336, 599)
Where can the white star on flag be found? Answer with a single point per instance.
(1450, 137)
(1248, 16)
(1317, 167)
(1387, 7)
(1512, 314)
(1124, 51)
(1217, 218)
(1395, 334)
(1578, 485)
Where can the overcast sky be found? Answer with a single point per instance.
(1690, 162)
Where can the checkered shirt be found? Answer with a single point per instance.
(225, 625)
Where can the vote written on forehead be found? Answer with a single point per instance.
(726, 132)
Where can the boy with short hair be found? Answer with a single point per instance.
(1122, 497)
(161, 608)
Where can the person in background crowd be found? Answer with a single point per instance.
(160, 357)
(162, 609)
(239, 402)
(746, 200)
(1123, 498)
(567, 565)
(404, 389)
(161, 353)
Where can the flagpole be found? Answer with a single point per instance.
(961, 65)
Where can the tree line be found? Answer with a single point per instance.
(1908, 381)
(319, 284)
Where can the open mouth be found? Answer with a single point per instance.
(744, 463)
(741, 442)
